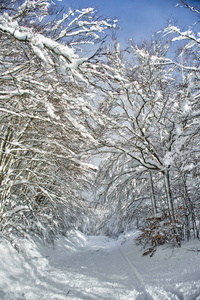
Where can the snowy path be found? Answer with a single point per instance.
(98, 268)
(137, 279)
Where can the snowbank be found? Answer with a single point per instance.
(81, 267)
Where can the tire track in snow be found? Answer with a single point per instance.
(135, 274)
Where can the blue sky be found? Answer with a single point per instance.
(138, 19)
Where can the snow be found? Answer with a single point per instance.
(51, 111)
(76, 63)
(168, 159)
(40, 43)
(97, 267)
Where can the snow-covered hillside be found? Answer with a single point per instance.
(91, 268)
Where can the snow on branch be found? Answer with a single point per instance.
(39, 43)
(82, 29)
(192, 8)
(31, 5)
(185, 35)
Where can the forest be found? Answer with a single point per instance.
(94, 136)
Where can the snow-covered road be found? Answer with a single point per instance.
(98, 268)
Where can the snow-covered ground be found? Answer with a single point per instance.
(95, 268)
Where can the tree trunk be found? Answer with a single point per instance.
(190, 207)
(169, 195)
(153, 199)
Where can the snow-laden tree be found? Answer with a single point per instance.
(142, 112)
(47, 118)
(187, 144)
(153, 145)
